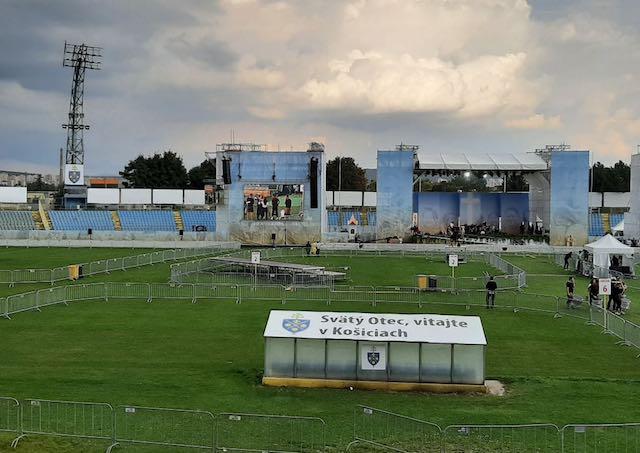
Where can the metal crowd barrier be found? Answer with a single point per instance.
(400, 433)
(104, 266)
(273, 433)
(156, 426)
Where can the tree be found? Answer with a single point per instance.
(161, 171)
(202, 174)
(517, 183)
(40, 186)
(353, 176)
(611, 179)
(471, 183)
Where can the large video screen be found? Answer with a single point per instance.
(273, 202)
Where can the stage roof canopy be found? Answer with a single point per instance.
(527, 162)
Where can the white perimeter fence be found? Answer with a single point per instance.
(128, 425)
(626, 331)
(108, 265)
(175, 428)
(394, 432)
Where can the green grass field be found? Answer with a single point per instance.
(209, 355)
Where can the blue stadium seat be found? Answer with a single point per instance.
(371, 218)
(333, 218)
(147, 221)
(193, 219)
(596, 226)
(81, 220)
(17, 220)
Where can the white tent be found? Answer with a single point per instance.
(618, 227)
(606, 246)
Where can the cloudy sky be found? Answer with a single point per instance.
(358, 75)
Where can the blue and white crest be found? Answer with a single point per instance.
(295, 325)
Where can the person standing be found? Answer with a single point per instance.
(593, 289)
(275, 201)
(491, 287)
(567, 257)
(250, 207)
(570, 286)
(287, 206)
(617, 290)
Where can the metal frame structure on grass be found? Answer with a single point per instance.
(211, 271)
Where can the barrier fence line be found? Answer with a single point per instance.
(273, 433)
(182, 428)
(228, 431)
(534, 438)
(394, 431)
(105, 266)
(627, 332)
(208, 270)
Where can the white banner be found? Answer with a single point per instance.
(423, 328)
(13, 194)
(74, 175)
(195, 197)
(167, 196)
(103, 196)
(373, 356)
(135, 196)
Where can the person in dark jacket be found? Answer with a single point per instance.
(491, 287)
(567, 257)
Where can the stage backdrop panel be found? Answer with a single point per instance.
(436, 210)
(103, 196)
(135, 196)
(395, 193)
(478, 207)
(569, 197)
(13, 194)
(514, 209)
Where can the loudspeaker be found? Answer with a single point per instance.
(273, 236)
(90, 231)
(226, 170)
(181, 232)
(313, 179)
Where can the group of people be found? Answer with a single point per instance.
(531, 228)
(266, 208)
(615, 299)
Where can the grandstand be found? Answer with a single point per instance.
(147, 220)
(81, 220)
(17, 220)
(194, 219)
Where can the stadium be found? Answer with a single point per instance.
(128, 329)
(266, 301)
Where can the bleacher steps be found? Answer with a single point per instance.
(37, 220)
(116, 221)
(178, 219)
(606, 222)
(44, 217)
